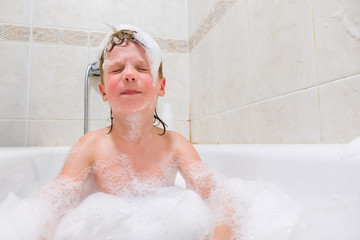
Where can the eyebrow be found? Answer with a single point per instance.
(116, 62)
(121, 62)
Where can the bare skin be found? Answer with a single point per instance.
(128, 86)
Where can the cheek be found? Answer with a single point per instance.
(152, 90)
(111, 84)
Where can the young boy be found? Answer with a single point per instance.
(132, 149)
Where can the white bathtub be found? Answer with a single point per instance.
(307, 173)
(312, 175)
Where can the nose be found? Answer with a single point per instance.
(129, 78)
(130, 75)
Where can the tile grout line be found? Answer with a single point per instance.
(258, 102)
(279, 96)
(249, 72)
(29, 75)
(316, 70)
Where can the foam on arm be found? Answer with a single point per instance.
(64, 192)
(210, 185)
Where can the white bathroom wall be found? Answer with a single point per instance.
(45, 47)
(274, 71)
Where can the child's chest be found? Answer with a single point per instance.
(135, 174)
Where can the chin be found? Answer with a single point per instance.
(134, 108)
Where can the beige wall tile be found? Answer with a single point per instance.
(205, 130)
(203, 88)
(235, 126)
(14, 68)
(337, 29)
(191, 17)
(98, 124)
(15, 11)
(176, 72)
(12, 133)
(159, 18)
(340, 110)
(292, 118)
(57, 82)
(61, 13)
(231, 61)
(54, 132)
(183, 127)
(193, 84)
(282, 56)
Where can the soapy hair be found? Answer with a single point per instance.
(122, 38)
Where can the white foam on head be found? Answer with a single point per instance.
(105, 63)
(151, 47)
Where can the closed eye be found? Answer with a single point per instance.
(117, 70)
(143, 69)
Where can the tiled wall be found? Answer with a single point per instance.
(45, 47)
(274, 71)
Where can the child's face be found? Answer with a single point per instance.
(128, 84)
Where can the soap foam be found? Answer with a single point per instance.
(36, 218)
(164, 214)
(119, 169)
(148, 207)
(254, 209)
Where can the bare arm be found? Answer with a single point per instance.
(200, 178)
(65, 190)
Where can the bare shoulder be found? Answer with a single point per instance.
(183, 147)
(81, 155)
(176, 138)
(92, 138)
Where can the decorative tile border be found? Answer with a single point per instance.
(172, 45)
(14, 33)
(59, 36)
(93, 39)
(96, 38)
(217, 12)
(74, 37)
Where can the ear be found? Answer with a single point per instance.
(162, 87)
(102, 91)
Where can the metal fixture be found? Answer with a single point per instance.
(91, 70)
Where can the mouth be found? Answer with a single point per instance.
(130, 92)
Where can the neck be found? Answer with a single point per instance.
(133, 128)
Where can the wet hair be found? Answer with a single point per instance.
(122, 38)
(156, 118)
